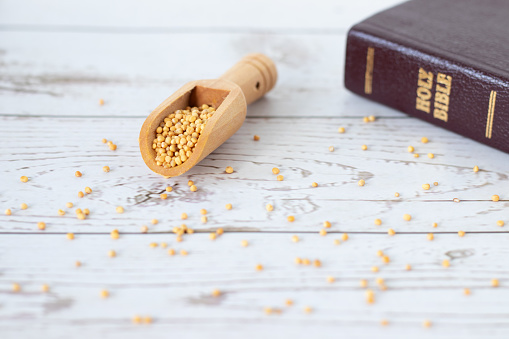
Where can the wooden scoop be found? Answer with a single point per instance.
(244, 83)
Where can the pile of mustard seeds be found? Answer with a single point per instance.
(178, 134)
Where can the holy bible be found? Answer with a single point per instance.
(443, 61)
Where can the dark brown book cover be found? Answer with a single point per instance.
(443, 61)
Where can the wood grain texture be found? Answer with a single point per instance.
(299, 151)
(176, 290)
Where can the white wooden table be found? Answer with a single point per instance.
(58, 58)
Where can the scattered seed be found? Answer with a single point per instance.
(163, 196)
(228, 206)
(384, 322)
(212, 236)
(244, 243)
(326, 224)
(370, 296)
(371, 118)
(203, 211)
(183, 216)
(431, 155)
(396, 194)
(280, 178)
(308, 309)
(114, 234)
(147, 320)
(275, 170)
(411, 149)
(323, 232)
(380, 253)
(495, 197)
(112, 146)
(8, 211)
(70, 236)
(229, 170)
(336, 242)
(416, 155)
(169, 189)
(61, 212)
(456, 200)
(193, 188)
(500, 223)
(101, 102)
(190, 183)
(375, 269)
(269, 207)
(259, 267)
(78, 174)
(220, 231)
(81, 194)
(461, 233)
(391, 232)
(466, 291)
(77, 263)
(23, 179)
(341, 130)
(365, 119)
(331, 148)
(104, 140)
(424, 140)
(407, 217)
(378, 222)
(144, 229)
(364, 147)
(426, 186)
(361, 182)
(183, 252)
(289, 302)
(45, 288)
(256, 137)
(216, 293)
(154, 221)
(494, 283)
(24, 206)
(476, 169)
(363, 283)
(105, 294)
(314, 184)
(69, 205)
(171, 251)
(290, 218)
(88, 190)
(41, 225)
(435, 183)
(426, 323)
(120, 209)
(295, 238)
(330, 279)
(106, 169)
(430, 236)
(446, 263)
(408, 267)
(344, 237)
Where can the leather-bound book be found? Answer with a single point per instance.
(443, 61)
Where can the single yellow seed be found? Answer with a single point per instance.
(386, 259)
(331, 148)
(171, 251)
(190, 183)
(104, 140)
(494, 283)
(344, 237)
(430, 236)
(426, 186)
(396, 194)
(466, 291)
(330, 279)
(364, 147)
(380, 281)
(365, 119)
(77, 263)
(101, 102)
(268, 310)
(24, 206)
(275, 170)
(380, 253)
(169, 189)
(435, 225)
(212, 236)
(163, 196)
(106, 169)
(378, 222)
(280, 178)
(431, 155)
(229, 170)
(326, 224)
(456, 200)
(114, 234)
(216, 293)
(69, 205)
(384, 322)
(183, 216)
(41, 225)
(16, 287)
(105, 294)
(256, 137)
(144, 229)
(61, 212)
(341, 130)
(88, 190)
(244, 243)
(203, 211)
(314, 184)
(374, 269)
(500, 223)
(476, 169)
(424, 140)
(137, 319)
(336, 242)
(193, 188)
(81, 194)
(446, 263)
(259, 267)
(8, 211)
(306, 262)
(416, 155)
(23, 179)
(323, 232)
(363, 283)
(295, 238)
(120, 209)
(81, 216)
(426, 323)
(147, 320)
(408, 267)
(153, 245)
(371, 118)
(407, 217)
(495, 197)
(112, 146)
(361, 182)
(228, 206)
(391, 232)
(308, 309)
(70, 236)
(435, 183)
(78, 174)
(298, 260)
(189, 231)
(290, 218)
(154, 221)
(183, 252)
(411, 149)
(269, 207)
(461, 233)
(220, 231)
(45, 288)
(289, 302)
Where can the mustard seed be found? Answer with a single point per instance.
(426, 186)
(407, 217)
(169, 189)
(269, 207)
(144, 229)
(280, 178)
(259, 267)
(120, 209)
(378, 222)
(77, 263)
(41, 225)
(336, 242)
(154, 221)
(371, 118)
(434, 225)
(216, 293)
(391, 232)
(101, 102)
(314, 184)
(326, 224)
(308, 309)
(361, 182)
(193, 188)
(45, 288)
(365, 119)
(24, 206)
(430, 236)
(8, 211)
(396, 194)
(114, 234)
(363, 283)
(408, 267)
(341, 130)
(384, 322)
(386, 259)
(163, 196)
(16, 287)
(228, 206)
(476, 169)
(380, 253)
(435, 183)
(461, 233)
(426, 323)
(344, 237)
(317, 263)
(69, 205)
(416, 155)
(171, 251)
(275, 170)
(290, 218)
(323, 232)
(112, 254)
(88, 190)
(424, 140)
(105, 294)
(364, 147)
(81, 194)
(204, 219)
(331, 148)
(256, 137)
(431, 155)
(70, 236)
(220, 231)
(330, 279)
(244, 243)
(494, 283)
(495, 198)
(466, 291)
(61, 212)
(78, 174)
(410, 149)
(212, 236)
(190, 183)
(104, 140)
(106, 169)
(295, 238)
(374, 269)
(446, 263)
(456, 200)
(229, 170)
(370, 296)
(183, 216)
(500, 223)
(23, 179)
(112, 147)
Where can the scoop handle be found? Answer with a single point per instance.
(255, 74)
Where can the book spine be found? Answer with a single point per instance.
(443, 92)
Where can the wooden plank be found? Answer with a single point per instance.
(39, 77)
(176, 290)
(189, 15)
(50, 150)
